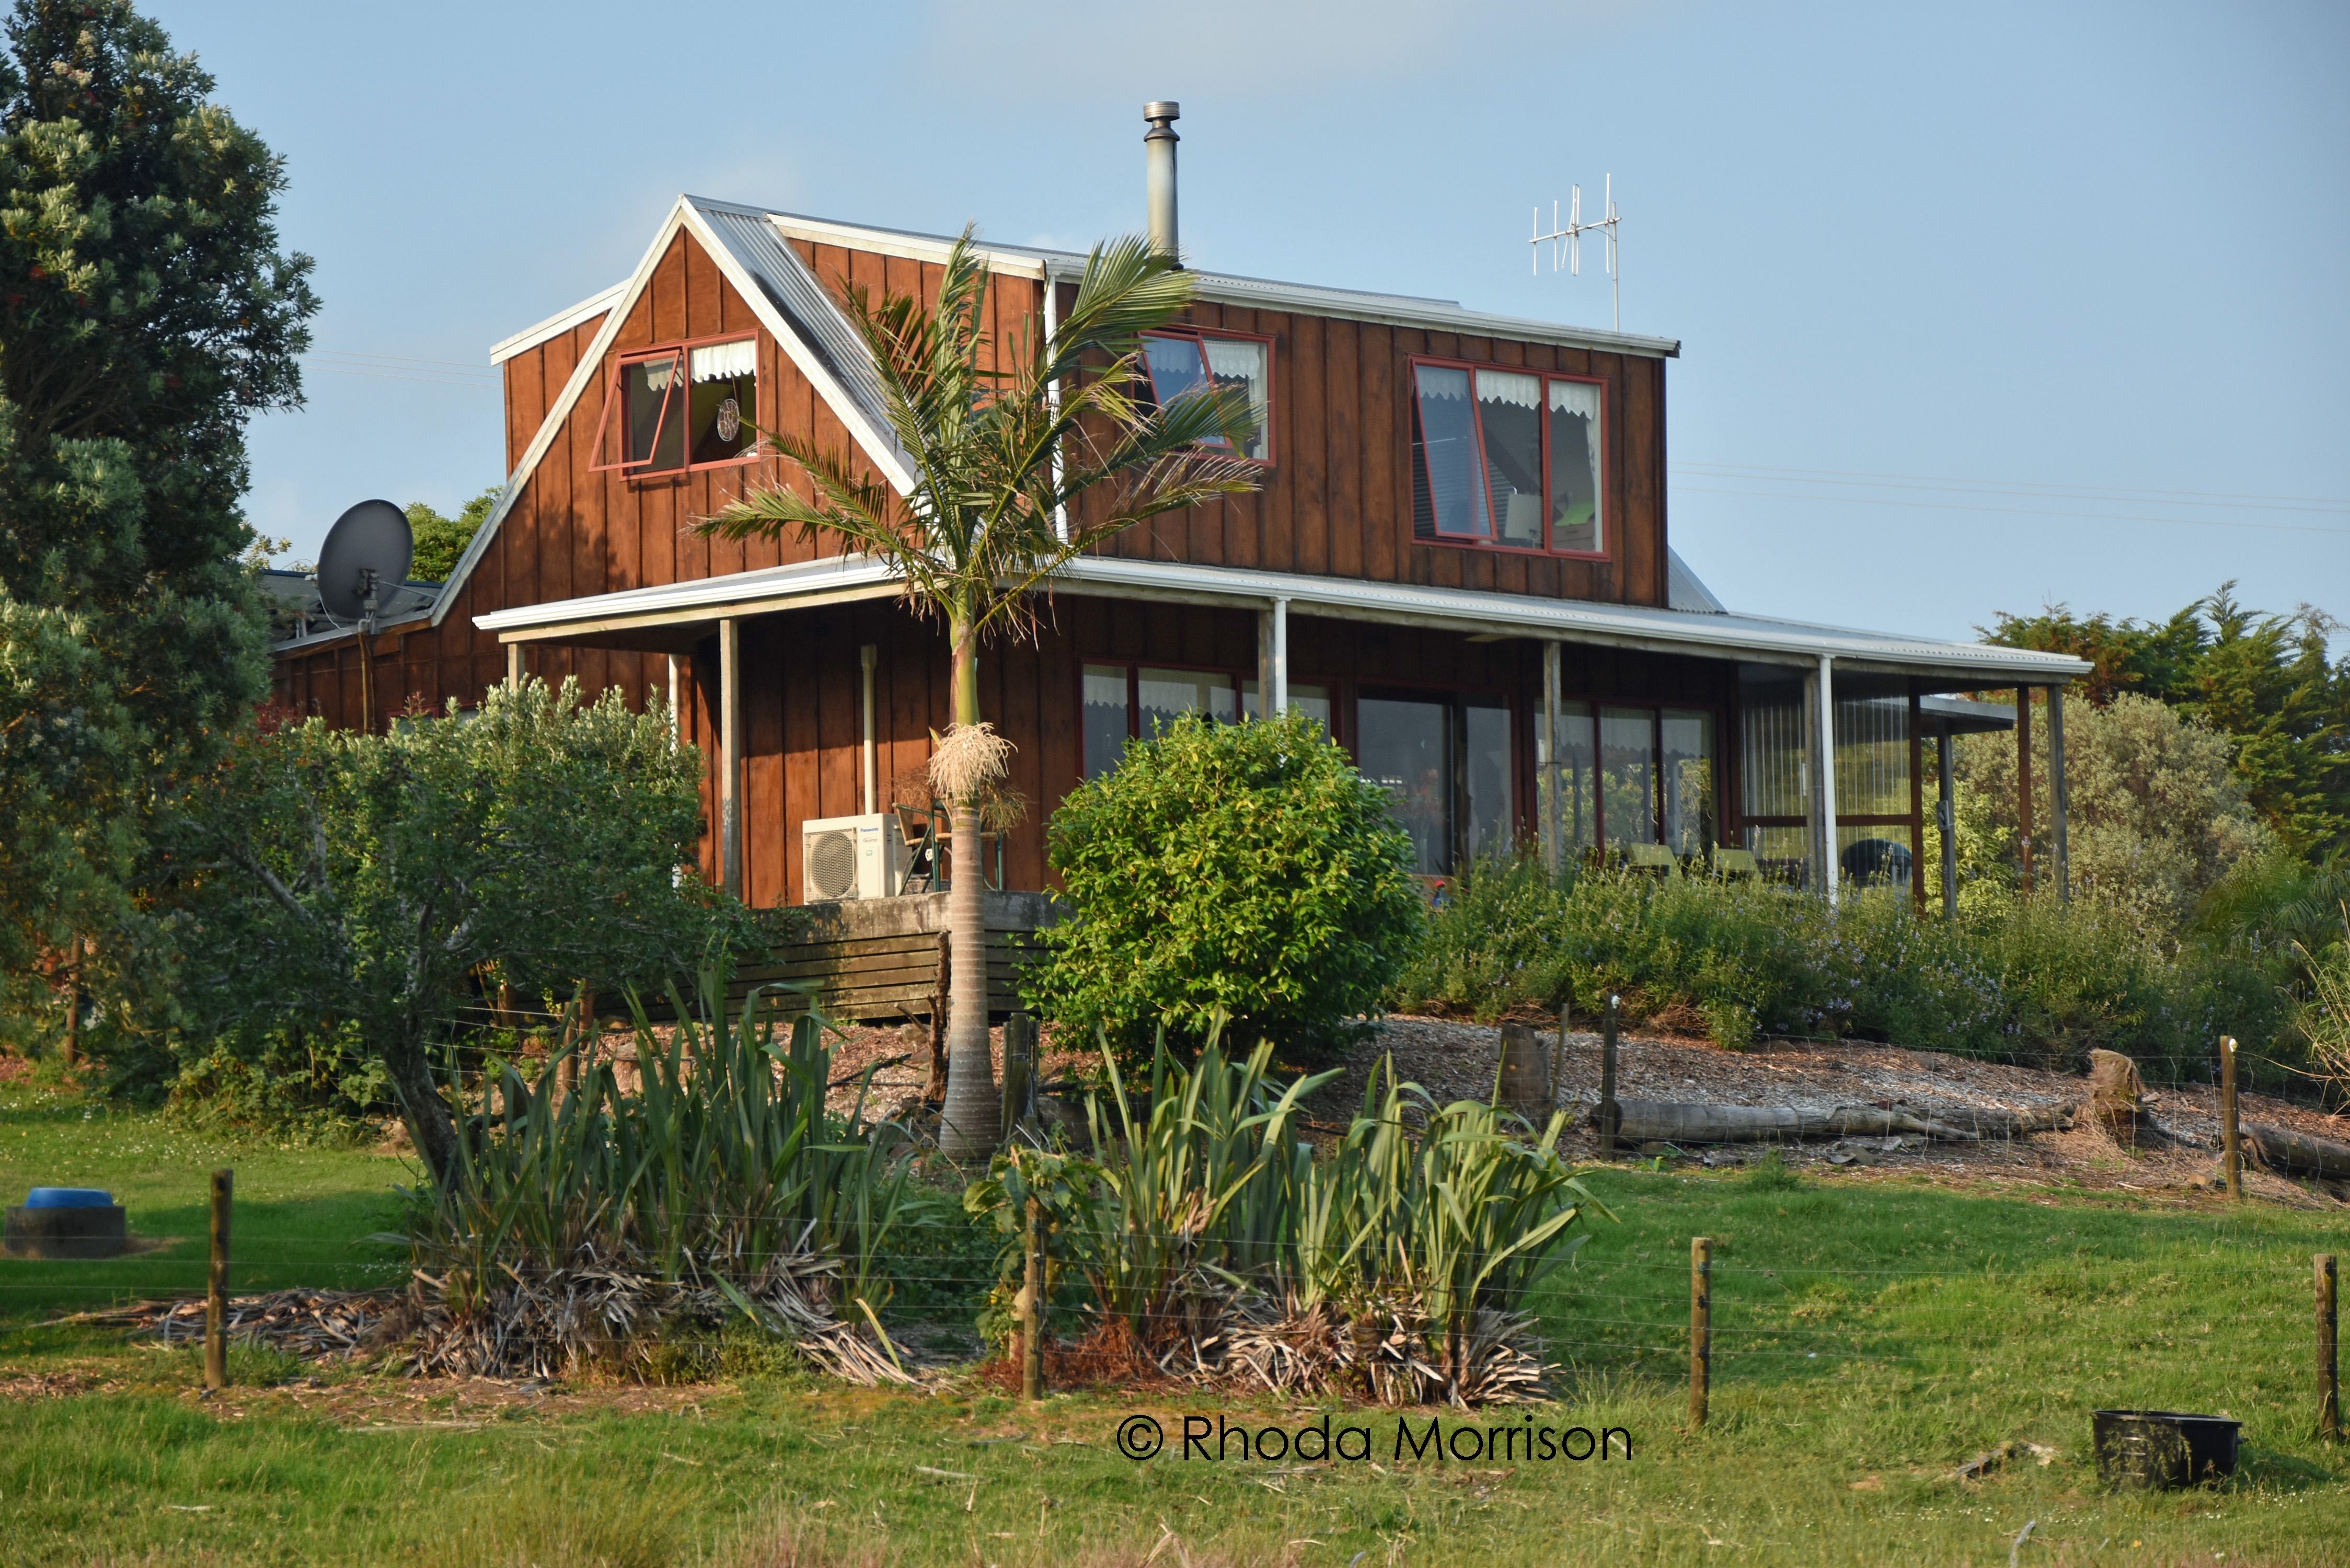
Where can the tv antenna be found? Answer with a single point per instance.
(1566, 240)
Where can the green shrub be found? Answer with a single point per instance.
(318, 1083)
(1497, 941)
(2027, 979)
(1246, 870)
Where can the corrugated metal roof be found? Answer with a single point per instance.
(750, 237)
(1684, 590)
(1713, 635)
(1261, 293)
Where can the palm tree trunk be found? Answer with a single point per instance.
(972, 1125)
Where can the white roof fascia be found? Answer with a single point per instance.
(881, 445)
(1254, 292)
(884, 456)
(931, 248)
(1727, 636)
(1637, 626)
(804, 583)
(556, 325)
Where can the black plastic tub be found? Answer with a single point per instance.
(77, 1231)
(2159, 1450)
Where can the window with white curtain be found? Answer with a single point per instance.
(1507, 457)
(684, 405)
(1187, 364)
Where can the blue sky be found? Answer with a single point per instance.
(1979, 307)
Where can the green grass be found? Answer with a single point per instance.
(1874, 1332)
(299, 1216)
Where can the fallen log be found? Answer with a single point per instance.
(2298, 1153)
(1669, 1121)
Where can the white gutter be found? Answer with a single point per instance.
(1639, 627)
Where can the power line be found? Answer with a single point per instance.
(2052, 488)
(405, 367)
(2013, 510)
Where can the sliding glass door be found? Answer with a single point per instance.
(1628, 775)
(1445, 761)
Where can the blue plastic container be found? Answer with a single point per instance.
(70, 1198)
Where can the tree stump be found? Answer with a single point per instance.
(1525, 1071)
(2116, 1096)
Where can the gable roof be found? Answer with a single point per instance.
(788, 301)
(750, 246)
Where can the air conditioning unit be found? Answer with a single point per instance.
(851, 857)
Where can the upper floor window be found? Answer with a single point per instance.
(1506, 457)
(684, 405)
(1186, 363)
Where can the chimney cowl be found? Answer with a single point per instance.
(1159, 173)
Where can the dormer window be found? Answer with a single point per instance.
(1186, 363)
(681, 405)
(1507, 457)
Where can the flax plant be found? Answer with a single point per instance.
(1197, 1191)
(724, 1163)
(1024, 455)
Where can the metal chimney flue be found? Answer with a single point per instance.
(1158, 165)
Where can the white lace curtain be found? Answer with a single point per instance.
(725, 361)
(1575, 398)
(1508, 387)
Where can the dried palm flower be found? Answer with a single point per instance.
(968, 759)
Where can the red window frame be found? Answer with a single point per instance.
(1199, 335)
(1477, 429)
(681, 350)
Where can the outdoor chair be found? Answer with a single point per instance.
(929, 844)
(919, 826)
(1730, 863)
(1654, 858)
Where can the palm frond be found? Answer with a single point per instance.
(996, 457)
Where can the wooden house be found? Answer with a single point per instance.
(1460, 561)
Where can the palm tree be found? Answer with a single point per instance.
(1001, 456)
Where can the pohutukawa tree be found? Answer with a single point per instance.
(146, 314)
(1004, 445)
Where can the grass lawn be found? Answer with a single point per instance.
(1871, 1336)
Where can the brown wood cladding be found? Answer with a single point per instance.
(1338, 502)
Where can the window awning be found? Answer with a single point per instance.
(676, 616)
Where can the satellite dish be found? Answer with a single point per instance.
(367, 553)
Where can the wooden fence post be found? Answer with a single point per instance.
(1019, 1071)
(1558, 1048)
(216, 1289)
(2232, 1150)
(1700, 1327)
(2329, 1363)
(1523, 1081)
(1609, 1114)
(1032, 1326)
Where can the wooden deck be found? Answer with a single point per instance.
(877, 960)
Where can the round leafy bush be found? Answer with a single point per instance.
(1242, 867)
